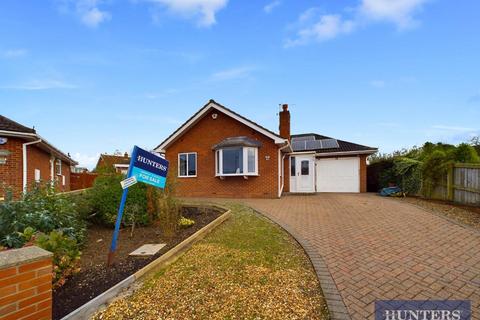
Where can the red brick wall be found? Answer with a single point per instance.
(200, 138)
(11, 172)
(26, 291)
(37, 159)
(363, 173)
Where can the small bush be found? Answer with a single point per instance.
(41, 210)
(105, 198)
(48, 220)
(66, 254)
(185, 222)
(169, 209)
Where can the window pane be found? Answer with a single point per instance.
(217, 153)
(292, 166)
(183, 165)
(232, 160)
(251, 160)
(305, 167)
(192, 164)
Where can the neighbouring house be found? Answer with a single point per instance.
(219, 153)
(27, 158)
(119, 162)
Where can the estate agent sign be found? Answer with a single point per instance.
(144, 167)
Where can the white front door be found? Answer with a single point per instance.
(304, 168)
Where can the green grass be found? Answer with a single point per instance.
(247, 268)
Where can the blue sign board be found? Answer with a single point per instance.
(148, 168)
(423, 310)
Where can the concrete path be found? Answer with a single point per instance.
(376, 248)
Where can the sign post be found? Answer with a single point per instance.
(144, 167)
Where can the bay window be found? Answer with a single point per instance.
(236, 161)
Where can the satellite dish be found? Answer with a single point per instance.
(3, 140)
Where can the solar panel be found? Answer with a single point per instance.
(309, 143)
(303, 138)
(298, 145)
(329, 143)
(313, 145)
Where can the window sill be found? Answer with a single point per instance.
(236, 175)
(186, 176)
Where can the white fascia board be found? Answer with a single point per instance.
(163, 146)
(18, 134)
(118, 165)
(345, 153)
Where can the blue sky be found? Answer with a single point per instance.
(94, 76)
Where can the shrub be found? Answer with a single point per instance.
(169, 212)
(185, 222)
(66, 254)
(41, 210)
(105, 198)
(48, 220)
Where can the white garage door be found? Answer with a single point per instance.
(338, 175)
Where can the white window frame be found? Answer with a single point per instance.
(37, 176)
(219, 163)
(58, 162)
(196, 166)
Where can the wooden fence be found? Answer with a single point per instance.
(462, 185)
(82, 180)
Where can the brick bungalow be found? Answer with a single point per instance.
(119, 163)
(26, 157)
(219, 153)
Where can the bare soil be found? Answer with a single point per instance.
(95, 278)
(468, 215)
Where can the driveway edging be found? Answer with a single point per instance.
(336, 306)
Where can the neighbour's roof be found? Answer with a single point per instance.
(110, 159)
(10, 125)
(16, 129)
(213, 104)
(237, 141)
(330, 145)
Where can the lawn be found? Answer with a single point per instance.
(248, 268)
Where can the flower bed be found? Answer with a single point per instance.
(95, 278)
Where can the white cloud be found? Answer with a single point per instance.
(202, 10)
(232, 73)
(453, 128)
(272, 5)
(378, 83)
(315, 27)
(399, 12)
(88, 11)
(92, 17)
(43, 84)
(85, 160)
(328, 27)
(13, 53)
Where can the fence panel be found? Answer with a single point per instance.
(81, 180)
(466, 184)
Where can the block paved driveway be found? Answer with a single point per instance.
(376, 248)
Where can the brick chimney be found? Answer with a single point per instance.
(285, 122)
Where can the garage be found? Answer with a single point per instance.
(338, 174)
(323, 164)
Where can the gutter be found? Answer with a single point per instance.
(281, 169)
(24, 156)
